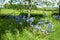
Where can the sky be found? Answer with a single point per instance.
(6, 1)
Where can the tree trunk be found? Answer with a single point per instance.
(29, 11)
(0, 8)
(59, 9)
(29, 8)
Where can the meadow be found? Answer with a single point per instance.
(10, 30)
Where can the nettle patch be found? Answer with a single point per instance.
(36, 24)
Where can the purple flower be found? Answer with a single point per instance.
(49, 25)
(30, 20)
(40, 23)
(56, 16)
(37, 27)
(43, 31)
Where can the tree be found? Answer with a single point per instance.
(11, 3)
(29, 7)
(1, 4)
(59, 6)
(0, 9)
(47, 3)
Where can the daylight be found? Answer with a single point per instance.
(29, 19)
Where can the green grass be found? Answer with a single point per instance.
(16, 12)
(56, 34)
(7, 25)
(9, 11)
(27, 35)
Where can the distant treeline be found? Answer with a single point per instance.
(18, 6)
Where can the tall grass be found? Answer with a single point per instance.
(9, 31)
(27, 35)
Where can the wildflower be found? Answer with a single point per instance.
(56, 16)
(37, 27)
(49, 26)
(30, 20)
(40, 23)
(43, 31)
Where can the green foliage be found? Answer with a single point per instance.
(0, 9)
(8, 27)
(18, 6)
(9, 30)
(7, 6)
(26, 35)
